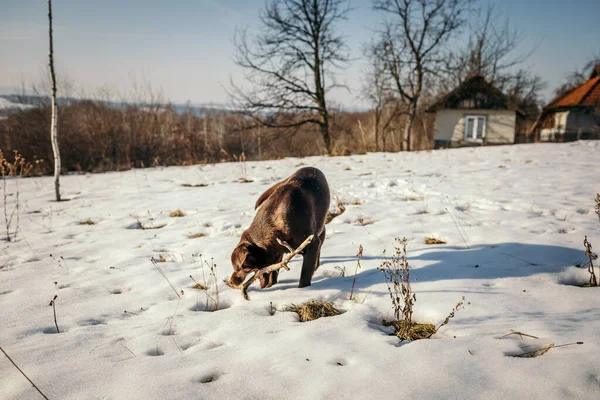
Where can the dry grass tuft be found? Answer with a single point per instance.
(161, 258)
(432, 240)
(195, 185)
(199, 286)
(414, 198)
(197, 235)
(363, 221)
(177, 213)
(312, 310)
(339, 210)
(245, 180)
(357, 202)
(414, 332)
(87, 222)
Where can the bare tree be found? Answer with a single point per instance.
(54, 121)
(491, 51)
(413, 45)
(579, 76)
(376, 89)
(289, 64)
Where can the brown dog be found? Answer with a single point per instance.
(291, 211)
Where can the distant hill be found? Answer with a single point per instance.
(10, 103)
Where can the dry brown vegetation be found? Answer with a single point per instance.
(177, 214)
(396, 272)
(14, 170)
(312, 310)
(433, 240)
(96, 137)
(339, 210)
(194, 185)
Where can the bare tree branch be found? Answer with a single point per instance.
(289, 64)
(413, 45)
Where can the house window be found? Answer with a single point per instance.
(474, 127)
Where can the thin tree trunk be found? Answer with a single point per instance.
(259, 147)
(325, 134)
(54, 121)
(409, 127)
(205, 141)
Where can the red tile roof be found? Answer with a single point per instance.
(585, 95)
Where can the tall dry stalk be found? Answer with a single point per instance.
(53, 304)
(592, 257)
(397, 277)
(4, 173)
(15, 170)
(23, 373)
(358, 266)
(209, 285)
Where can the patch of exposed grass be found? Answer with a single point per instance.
(432, 240)
(196, 235)
(312, 310)
(161, 258)
(87, 222)
(414, 198)
(339, 210)
(177, 213)
(245, 180)
(363, 221)
(414, 332)
(195, 185)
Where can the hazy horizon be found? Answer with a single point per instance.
(184, 48)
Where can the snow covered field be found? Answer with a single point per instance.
(522, 210)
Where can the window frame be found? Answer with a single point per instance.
(475, 118)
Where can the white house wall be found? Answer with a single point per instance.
(500, 125)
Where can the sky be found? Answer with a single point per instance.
(184, 49)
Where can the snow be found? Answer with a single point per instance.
(6, 104)
(522, 212)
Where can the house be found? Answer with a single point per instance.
(475, 113)
(574, 115)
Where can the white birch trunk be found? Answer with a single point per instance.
(54, 121)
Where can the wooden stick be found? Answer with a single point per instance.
(274, 267)
(23, 373)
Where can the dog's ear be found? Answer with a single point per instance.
(239, 255)
(244, 259)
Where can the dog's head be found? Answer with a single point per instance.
(246, 258)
